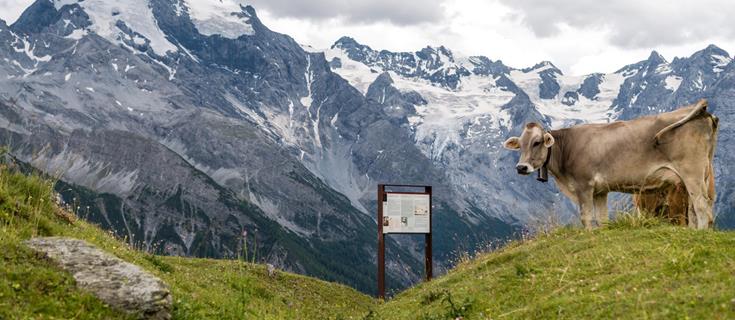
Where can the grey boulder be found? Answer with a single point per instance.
(120, 284)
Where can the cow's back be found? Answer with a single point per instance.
(617, 155)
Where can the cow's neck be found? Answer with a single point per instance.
(555, 164)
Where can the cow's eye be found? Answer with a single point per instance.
(537, 143)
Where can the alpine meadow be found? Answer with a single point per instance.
(194, 147)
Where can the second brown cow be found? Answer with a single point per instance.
(672, 202)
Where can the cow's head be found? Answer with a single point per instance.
(533, 143)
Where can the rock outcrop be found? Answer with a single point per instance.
(120, 284)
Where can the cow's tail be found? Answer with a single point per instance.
(700, 107)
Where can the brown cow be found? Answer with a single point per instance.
(649, 153)
(672, 203)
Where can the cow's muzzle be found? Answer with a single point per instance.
(524, 169)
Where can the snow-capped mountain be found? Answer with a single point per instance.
(460, 109)
(184, 125)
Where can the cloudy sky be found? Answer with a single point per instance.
(579, 36)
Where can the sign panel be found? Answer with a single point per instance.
(406, 213)
(403, 212)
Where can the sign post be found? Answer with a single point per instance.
(403, 210)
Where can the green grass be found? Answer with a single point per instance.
(634, 268)
(32, 287)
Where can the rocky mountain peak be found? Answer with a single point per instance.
(544, 66)
(250, 10)
(711, 58)
(383, 78)
(36, 17)
(656, 58)
(440, 53)
(346, 42)
(713, 50)
(484, 66)
(435, 64)
(654, 64)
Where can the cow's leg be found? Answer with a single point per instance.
(703, 210)
(601, 214)
(711, 190)
(586, 206)
(678, 204)
(691, 216)
(698, 200)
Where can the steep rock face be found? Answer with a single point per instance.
(590, 87)
(398, 105)
(722, 104)
(549, 85)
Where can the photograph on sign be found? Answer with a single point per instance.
(406, 213)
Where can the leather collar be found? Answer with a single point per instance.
(543, 172)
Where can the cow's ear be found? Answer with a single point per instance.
(512, 143)
(548, 140)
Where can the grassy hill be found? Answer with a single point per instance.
(32, 287)
(635, 268)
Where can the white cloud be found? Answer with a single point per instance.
(10, 10)
(632, 23)
(578, 36)
(404, 12)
